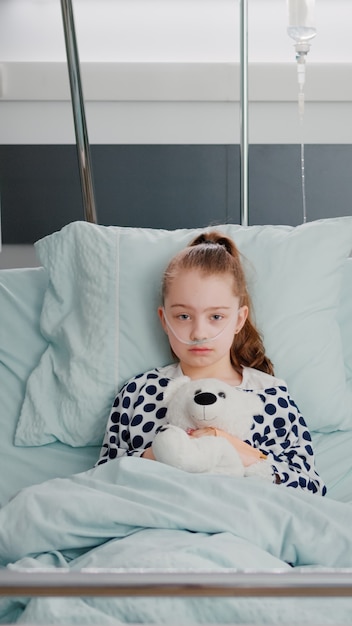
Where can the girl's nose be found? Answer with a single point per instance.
(198, 331)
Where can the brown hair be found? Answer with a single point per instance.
(214, 253)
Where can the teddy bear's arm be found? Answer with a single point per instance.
(174, 447)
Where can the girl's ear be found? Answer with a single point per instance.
(241, 318)
(162, 318)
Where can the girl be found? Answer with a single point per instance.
(206, 314)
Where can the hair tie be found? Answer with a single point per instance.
(221, 241)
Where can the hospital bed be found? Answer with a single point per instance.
(134, 541)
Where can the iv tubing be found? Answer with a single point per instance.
(301, 77)
(301, 53)
(301, 71)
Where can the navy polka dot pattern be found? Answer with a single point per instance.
(279, 431)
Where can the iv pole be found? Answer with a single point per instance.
(244, 109)
(80, 121)
(83, 152)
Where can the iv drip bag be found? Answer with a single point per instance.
(302, 29)
(301, 26)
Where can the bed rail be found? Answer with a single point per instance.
(112, 582)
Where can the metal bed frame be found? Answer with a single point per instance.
(112, 582)
(148, 582)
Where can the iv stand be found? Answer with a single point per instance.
(83, 151)
(244, 110)
(80, 121)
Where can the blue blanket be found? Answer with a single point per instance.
(134, 513)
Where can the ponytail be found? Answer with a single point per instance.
(247, 347)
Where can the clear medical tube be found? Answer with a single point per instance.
(301, 28)
(199, 342)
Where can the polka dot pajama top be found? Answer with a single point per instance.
(280, 431)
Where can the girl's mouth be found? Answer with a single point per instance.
(200, 349)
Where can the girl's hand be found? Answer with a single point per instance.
(148, 454)
(248, 454)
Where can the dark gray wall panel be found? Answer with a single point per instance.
(169, 186)
(40, 191)
(165, 186)
(155, 186)
(275, 183)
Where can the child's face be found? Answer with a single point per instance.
(203, 308)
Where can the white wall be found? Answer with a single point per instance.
(168, 30)
(199, 39)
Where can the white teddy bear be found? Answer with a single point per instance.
(214, 404)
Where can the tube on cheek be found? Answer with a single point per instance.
(198, 342)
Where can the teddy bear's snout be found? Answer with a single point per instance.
(205, 398)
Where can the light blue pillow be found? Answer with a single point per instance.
(21, 347)
(21, 301)
(99, 317)
(345, 319)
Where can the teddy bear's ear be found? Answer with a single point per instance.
(174, 385)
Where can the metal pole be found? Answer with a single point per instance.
(244, 110)
(83, 151)
(125, 582)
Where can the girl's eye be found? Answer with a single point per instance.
(183, 316)
(217, 317)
